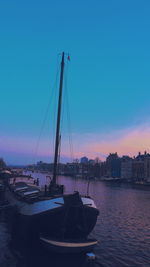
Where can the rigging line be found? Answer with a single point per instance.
(64, 95)
(54, 119)
(68, 118)
(46, 113)
(58, 166)
(63, 111)
(63, 106)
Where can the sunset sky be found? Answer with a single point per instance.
(107, 78)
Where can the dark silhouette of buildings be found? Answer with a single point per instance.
(135, 169)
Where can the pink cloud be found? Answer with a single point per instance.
(126, 142)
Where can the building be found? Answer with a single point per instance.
(138, 170)
(84, 160)
(147, 169)
(71, 169)
(141, 167)
(126, 168)
(113, 163)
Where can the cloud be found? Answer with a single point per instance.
(128, 141)
(23, 150)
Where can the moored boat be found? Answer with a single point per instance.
(60, 221)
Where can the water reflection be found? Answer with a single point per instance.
(39, 257)
(123, 229)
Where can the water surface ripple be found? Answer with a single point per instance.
(123, 227)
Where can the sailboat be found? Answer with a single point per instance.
(62, 222)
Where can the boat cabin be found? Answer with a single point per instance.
(25, 192)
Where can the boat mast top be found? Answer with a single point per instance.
(57, 140)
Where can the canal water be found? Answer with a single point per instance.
(122, 229)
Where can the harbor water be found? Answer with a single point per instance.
(122, 229)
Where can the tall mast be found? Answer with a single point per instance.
(57, 140)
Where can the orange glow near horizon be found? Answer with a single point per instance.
(124, 142)
(129, 142)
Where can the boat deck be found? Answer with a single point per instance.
(26, 179)
(25, 189)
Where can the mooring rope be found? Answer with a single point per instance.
(46, 113)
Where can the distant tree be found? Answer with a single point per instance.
(2, 163)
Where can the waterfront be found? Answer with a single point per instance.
(123, 229)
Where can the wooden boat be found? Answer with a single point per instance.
(60, 221)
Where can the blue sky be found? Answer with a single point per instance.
(108, 75)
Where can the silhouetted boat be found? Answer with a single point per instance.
(61, 221)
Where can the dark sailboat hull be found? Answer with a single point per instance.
(57, 218)
(60, 223)
(65, 221)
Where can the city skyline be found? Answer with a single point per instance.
(107, 77)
